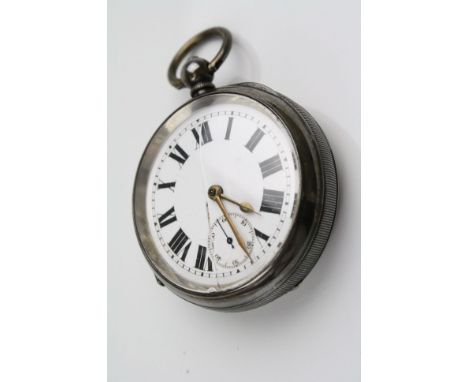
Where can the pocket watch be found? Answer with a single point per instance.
(235, 194)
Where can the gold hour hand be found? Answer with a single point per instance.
(244, 206)
(215, 192)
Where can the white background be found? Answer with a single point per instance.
(53, 128)
(311, 53)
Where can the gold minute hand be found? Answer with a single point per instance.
(214, 193)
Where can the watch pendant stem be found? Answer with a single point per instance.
(197, 76)
(197, 73)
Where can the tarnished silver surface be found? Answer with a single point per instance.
(198, 73)
(315, 213)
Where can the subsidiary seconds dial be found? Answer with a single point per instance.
(222, 245)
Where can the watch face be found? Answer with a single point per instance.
(221, 191)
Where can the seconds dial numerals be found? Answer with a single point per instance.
(222, 243)
(251, 157)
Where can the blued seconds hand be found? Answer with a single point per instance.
(229, 239)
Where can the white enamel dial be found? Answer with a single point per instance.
(251, 155)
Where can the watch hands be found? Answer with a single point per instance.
(244, 206)
(214, 193)
(229, 239)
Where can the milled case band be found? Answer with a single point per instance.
(328, 212)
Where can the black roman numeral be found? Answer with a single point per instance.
(178, 241)
(206, 133)
(202, 259)
(167, 217)
(254, 139)
(261, 235)
(169, 185)
(228, 130)
(183, 155)
(271, 165)
(196, 136)
(186, 249)
(272, 201)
